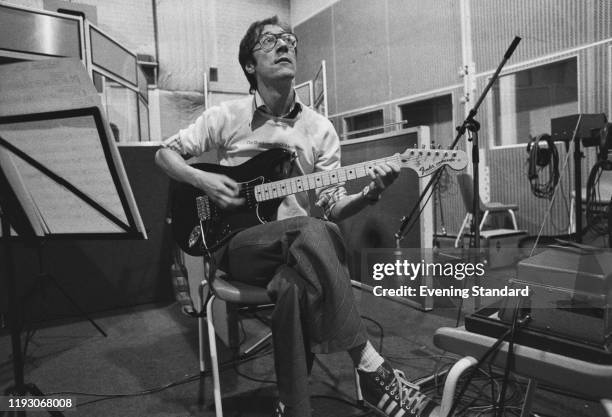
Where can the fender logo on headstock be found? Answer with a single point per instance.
(425, 169)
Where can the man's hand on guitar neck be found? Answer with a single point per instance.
(221, 189)
(382, 176)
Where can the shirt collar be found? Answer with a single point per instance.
(294, 109)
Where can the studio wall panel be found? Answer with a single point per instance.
(424, 45)
(546, 26)
(316, 43)
(509, 184)
(361, 54)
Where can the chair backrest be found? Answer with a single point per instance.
(466, 187)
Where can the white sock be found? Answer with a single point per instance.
(370, 359)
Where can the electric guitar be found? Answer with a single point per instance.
(199, 225)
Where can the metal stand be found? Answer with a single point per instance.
(46, 277)
(468, 124)
(578, 187)
(16, 324)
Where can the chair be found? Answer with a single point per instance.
(231, 292)
(585, 379)
(466, 188)
(238, 293)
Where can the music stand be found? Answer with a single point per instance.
(61, 177)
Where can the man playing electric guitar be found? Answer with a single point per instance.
(302, 259)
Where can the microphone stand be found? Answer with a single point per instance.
(471, 125)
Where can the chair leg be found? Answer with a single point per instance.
(212, 341)
(358, 393)
(571, 226)
(484, 218)
(451, 383)
(201, 344)
(257, 344)
(529, 395)
(513, 216)
(466, 221)
(607, 405)
(202, 293)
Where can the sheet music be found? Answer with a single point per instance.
(70, 144)
(70, 148)
(43, 86)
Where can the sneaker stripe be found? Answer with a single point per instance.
(421, 405)
(382, 402)
(390, 408)
(401, 412)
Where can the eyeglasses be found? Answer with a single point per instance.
(268, 41)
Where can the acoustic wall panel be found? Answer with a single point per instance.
(316, 43)
(594, 73)
(509, 184)
(361, 54)
(185, 44)
(424, 45)
(546, 26)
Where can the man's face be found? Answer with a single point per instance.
(277, 64)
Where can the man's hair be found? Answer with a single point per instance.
(245, 54)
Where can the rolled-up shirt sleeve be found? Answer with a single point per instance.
(329, 159)
(199, 137)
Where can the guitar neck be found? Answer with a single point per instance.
(294, 185)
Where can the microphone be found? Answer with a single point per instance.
(512, 47)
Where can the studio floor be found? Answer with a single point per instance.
(147, 366)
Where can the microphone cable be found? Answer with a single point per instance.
(539, 158)
(595, 209)
(489, 352)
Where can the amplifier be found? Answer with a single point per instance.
(488, 322)
(562, 128)
(501, 246)
(570, 293)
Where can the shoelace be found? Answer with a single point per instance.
(404, 387)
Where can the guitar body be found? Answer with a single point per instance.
(222, 224)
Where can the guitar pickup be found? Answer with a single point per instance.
(203, 207)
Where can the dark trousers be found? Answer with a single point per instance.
(302, 262)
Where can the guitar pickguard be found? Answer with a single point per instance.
(222, 224)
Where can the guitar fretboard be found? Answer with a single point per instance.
(282, 188)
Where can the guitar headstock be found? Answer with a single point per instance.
(426, 161)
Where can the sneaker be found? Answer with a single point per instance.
(387, 391)
(279, 411)
(282, 411)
